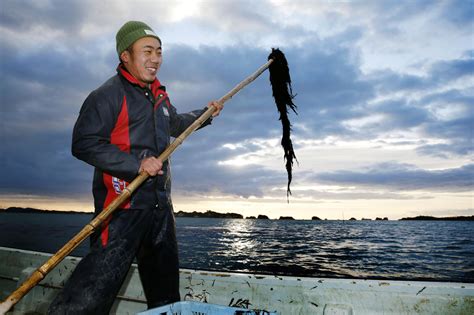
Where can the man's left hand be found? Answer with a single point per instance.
(217, 105)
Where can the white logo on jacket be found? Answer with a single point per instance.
(119, 185)
(165, 111)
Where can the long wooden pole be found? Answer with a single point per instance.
(40, 273)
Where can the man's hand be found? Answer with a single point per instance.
(217, 105)
(152, 166)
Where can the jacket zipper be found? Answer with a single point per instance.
(154, 113)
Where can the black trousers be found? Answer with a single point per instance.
(150, 236)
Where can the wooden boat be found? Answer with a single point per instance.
(285, 295)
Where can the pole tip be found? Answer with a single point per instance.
(6, 305)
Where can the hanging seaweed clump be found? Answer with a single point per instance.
(283, 94)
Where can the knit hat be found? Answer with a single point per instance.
(130, 32)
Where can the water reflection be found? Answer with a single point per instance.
(238, 245)
(397, 250)
(238, 235)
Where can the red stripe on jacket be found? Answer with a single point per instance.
(120, 136)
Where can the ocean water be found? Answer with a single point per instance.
(397, 250)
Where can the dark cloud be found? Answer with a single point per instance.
(54, 15)
(455, 129)
(460, 13)
(400, 115)
(40, 98)
(439, 74)
(388, 81)
(389, 16)
(207, 177)
(459, 133)
(40, 163)
(248, 15)
(449, 97)
(405, 112)
(394, 11)
(209, 73)
(404, 177)
(315, 195)
(330, 87)
(444, 71)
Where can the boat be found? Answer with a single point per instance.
(274, 293)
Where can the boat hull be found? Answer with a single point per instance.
(286, 295)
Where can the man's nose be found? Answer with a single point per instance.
(155, 57)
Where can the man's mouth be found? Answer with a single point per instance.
(152, 69)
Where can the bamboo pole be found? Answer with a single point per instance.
(40, 273)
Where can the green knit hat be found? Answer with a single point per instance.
(130, 32)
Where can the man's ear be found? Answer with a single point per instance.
(125, 56)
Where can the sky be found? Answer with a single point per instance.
(384, 91)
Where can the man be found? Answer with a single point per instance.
(122, 127)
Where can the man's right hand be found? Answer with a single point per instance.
(152, 166)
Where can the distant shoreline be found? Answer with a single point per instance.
(213, 214)
(430, 218)
(34, 210)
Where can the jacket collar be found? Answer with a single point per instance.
(155, 86)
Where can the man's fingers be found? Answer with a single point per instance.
(217, 105)
(152, 166)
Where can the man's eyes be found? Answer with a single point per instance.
(158, 52)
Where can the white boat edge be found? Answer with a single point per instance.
(283, 294)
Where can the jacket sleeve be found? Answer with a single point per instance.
(91, 139)
(179, 122)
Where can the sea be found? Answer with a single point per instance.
(395, 250)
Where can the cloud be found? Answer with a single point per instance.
(400, 115)
(440, 73)
(459, 13)
(40, 163)
(404, 177)
(452, 119)
(435, 105)
(312, 195)
(49, 15)
(250, 17)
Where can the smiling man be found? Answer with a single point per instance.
(121, 129)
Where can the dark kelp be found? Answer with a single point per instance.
(283, 94)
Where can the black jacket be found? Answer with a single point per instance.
(121, 123)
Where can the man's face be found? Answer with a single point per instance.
(145, 60)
